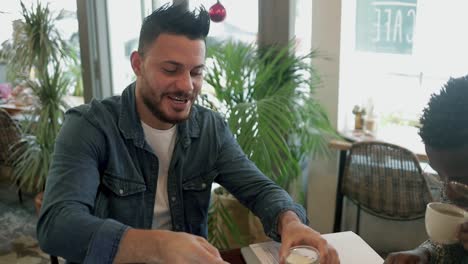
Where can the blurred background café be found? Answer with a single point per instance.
(374, 66)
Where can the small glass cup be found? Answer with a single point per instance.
(303, 255)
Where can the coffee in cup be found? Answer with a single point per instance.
(303, 255)
(443, 221)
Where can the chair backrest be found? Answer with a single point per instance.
(386, 180)
(9, 134)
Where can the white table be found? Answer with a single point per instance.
(350, 247)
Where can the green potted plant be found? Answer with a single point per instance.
(267, 97)
(38, 53)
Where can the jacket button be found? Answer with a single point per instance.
(121, 191)
(203, 185)
(173, 198)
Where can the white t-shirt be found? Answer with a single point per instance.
(162, 142)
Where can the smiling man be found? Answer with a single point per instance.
(131, 176)
(170, 75)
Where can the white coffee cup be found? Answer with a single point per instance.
(443, 221)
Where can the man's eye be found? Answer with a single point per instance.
(167, 70)
(196, 73)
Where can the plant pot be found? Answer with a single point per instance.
(250, 226)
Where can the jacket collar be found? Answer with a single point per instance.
(130, 125)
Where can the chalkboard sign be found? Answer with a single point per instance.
(385, 26)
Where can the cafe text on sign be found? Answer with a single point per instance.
(385, 26)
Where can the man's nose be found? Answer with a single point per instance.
(185, 82)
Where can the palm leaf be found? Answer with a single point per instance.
(32, 155)
(267, 98)
(36, 42)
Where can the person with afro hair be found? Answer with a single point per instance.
(444, 131)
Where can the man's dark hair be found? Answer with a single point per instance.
(444, 122)
(174, 19)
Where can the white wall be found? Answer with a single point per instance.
(326, 24)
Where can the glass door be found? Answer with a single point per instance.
(395, 54)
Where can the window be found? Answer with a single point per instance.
(303, 26)
(124, 27)
(11, 10)
(67, 26)
(125, 18)
(405, 51)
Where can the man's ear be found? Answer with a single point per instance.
(136, 61)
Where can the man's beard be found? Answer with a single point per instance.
(157, 112)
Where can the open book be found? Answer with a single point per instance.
(350, 247)
(262, 253)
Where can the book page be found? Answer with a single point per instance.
(267, 252)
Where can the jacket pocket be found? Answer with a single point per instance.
(122, 200)
(196, 195)
(122, 187)
(201, 182)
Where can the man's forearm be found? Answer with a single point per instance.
(66, 229)
(161, 246)
(140, 246)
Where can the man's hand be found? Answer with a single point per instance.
(159, 246)
(415, 256)
(463, 235)
(294, 233)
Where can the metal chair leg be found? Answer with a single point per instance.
(19, 192)
(339, 193)
(358, 218)
(53, 260)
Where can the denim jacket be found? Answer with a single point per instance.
(103, 179)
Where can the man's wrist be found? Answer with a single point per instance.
(286, 218)
(139, 245)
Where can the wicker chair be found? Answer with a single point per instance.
(385, 180)
(9, 134)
